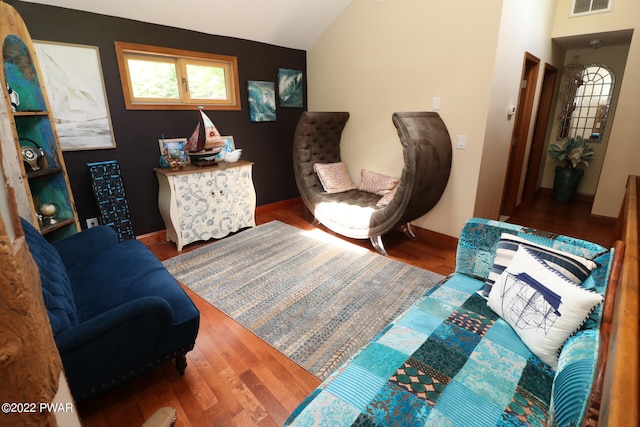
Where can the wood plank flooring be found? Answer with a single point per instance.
(233, 378)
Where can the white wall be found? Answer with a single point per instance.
(525, 27)
(397, 55)
(623, 152)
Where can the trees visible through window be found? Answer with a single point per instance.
(155, 78)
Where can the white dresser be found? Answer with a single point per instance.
(201, 203)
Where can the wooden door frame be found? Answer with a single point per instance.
(545, 105)
(518, 145)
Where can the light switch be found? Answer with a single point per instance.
(436, 103)
(461, 144)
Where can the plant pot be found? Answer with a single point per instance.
(565, 183)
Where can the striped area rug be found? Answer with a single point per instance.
(312, 296)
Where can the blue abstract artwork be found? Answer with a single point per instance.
(262, 101)
(290, 87)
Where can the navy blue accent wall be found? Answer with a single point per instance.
(268, 144)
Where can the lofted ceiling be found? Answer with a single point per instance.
(289, 23)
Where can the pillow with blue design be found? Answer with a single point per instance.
(540, 303)
(573, 267)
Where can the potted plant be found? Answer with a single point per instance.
(571, 152)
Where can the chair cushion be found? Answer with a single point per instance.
(123, 273)
(56, 286)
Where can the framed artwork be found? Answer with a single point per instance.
(73, 77)
(262, 101)
(290, 87)
(177, 148)
(229, 146)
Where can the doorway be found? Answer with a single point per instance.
(532, 180)
(520, 133)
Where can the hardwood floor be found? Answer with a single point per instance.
(235, 379)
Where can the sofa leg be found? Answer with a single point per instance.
(408, 230)
(377, 244)
(181, 364)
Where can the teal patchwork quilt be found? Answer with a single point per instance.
(451, 361)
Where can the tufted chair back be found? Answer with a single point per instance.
(316, 140)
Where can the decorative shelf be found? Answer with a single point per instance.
(32, 124)
(43, 172)
(29, 113)
(62, 222)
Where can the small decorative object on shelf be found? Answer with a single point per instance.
(32, 155)
(232, 156)
(14, 98)
(49, 212)
(173, 159)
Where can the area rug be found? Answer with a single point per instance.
(314, 297)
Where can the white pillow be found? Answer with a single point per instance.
(541, 305)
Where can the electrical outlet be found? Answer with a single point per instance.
(92, 222)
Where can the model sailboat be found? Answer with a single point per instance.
(205, 142)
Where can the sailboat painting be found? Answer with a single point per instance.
(72, 76)
(290, 87)
(262, 101)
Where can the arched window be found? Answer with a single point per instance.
(587, 96)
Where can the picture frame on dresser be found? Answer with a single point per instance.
(229, 146)
(179, 144)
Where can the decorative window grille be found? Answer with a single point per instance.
(587, 7)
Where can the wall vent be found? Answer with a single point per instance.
(587, 7)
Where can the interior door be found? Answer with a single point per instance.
(531, 184)
(520, 134)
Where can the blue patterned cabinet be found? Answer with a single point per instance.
(204, 203)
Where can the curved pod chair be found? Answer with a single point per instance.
(354, 213)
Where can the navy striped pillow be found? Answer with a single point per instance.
(573, 267)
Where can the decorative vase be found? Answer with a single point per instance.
(565, 183)
(163, 162)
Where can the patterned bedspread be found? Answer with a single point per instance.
(448, 361)
(451, 361)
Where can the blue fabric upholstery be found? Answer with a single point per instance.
(56, 287)
(574, 378)
(449, 360)
(115, 311)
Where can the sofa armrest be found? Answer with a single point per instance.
(85, 243)
(91, 332)
(477, 246)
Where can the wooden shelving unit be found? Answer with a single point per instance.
(31, 125)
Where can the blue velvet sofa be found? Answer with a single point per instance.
(115, 311)
(450, 360)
